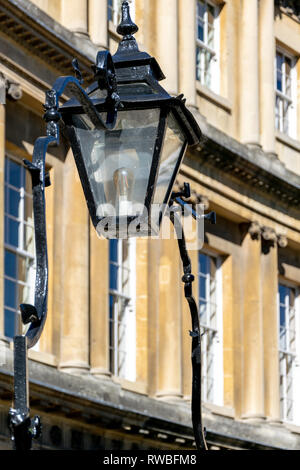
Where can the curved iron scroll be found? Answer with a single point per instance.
(36, 315)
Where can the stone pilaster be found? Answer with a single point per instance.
(187, 35)
(249, 76)
(142, 310)
(74, 15)
(99, 308)
(253, 357)
(269, 262)
(154, 247)
(98, 22)
(169, 384)
(266, 69)
(167, 43)
(228, 286)
(74, 351)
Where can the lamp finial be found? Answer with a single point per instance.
(127, 27)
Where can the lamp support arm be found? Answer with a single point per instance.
(188, 278)
(23, 429)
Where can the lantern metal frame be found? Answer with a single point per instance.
(128, 66)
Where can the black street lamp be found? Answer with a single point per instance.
(128, 137)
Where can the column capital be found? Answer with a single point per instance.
(269, 239)
(9, 88)
(254, 230)
(282, 240)
(268, 234)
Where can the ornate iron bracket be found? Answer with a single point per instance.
(187, 279)
(23, 429)
(106, 76)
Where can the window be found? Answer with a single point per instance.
(207, 40)
(19, 264)
(210, 309)
(288, 353)
(122, 293)
(114, 10)
(285, 106)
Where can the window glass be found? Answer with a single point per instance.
(287, 351)
(284, 101)
(122, 308)
(19, 263)
(209, 306)
(206, 50)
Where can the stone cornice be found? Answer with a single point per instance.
(251, 167)
(103, 403)
(45, 38)
(268, 234)
(289, 7)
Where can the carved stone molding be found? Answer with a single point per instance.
(282, 241)
(9, 88)
(268, 234)
(254, 230)
(230, 160)
(43, 37)
(290, 7)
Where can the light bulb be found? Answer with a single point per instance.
(124, 181)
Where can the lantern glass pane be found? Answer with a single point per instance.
(118, 162)
(173, 143)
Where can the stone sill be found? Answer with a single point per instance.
(294, 428)
(42, 357)
(214, 98)
(137, 387)
(219, 410)
(287, 140)
(38, 356)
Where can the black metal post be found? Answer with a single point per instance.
(23, 429)
(188, 278)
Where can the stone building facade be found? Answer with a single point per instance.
(112, 369)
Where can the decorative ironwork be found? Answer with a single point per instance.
(128, 66)
(24, 429)
(292, 6)
(187, 279)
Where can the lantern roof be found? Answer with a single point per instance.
(136, 76)
(128, 53)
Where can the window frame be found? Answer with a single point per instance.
(18, 251)
(295, 355)
(218, 371)
(284, 98)
(129, 372)
(215, 52)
